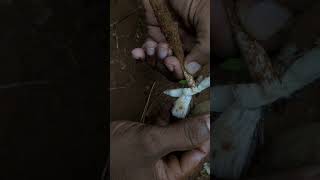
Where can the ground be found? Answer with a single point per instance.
(130, 81)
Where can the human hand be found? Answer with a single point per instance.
(146, 152)
(256, 20)
(194, 27)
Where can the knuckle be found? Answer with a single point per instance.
(191, 134)
(151, 142)
(196, 132)
(204, 46)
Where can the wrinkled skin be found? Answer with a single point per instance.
(166, 151)
(194, 28)
(145, 152)
(194, 22)
(132, 154)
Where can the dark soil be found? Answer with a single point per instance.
(130, 80)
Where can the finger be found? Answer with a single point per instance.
(153, 28)
(193, 67)
(185, 135)
(155, 33)
(150, 47)
(173, 164)
(150, 17)
(163, 50)
(192, 161)
(170, 53)
(188, 38)
(198, 56)
(200, 53)
(180, 8)
(205, 147)
(173, 64)
(138, 54)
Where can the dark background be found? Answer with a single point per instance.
(53, 89)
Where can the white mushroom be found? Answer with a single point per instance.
(182, 104)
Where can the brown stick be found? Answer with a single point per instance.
(171, 31)
(257, 59)
(147, 103)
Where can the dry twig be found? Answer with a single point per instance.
(147, 103)
(124, 17)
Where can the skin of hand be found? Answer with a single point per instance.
(255, 18)
(150, 152)
(194, 27)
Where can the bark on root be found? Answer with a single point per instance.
(171, 31)
(257, 59)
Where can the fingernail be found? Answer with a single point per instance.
(150, 51)
(193, 67)
(170, 67)
(162, 53)
(138, 53)
(150, 46)
(170, 52)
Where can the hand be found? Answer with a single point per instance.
(145, 152)
(255, 18)
(194, 28)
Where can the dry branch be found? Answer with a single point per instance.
(257, 59)
(171, 31)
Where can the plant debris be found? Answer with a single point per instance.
(147, 103)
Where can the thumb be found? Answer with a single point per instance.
(185, 135)
(199, 54)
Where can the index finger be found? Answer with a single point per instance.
(154, 30)
(150, 17)
(193, 160)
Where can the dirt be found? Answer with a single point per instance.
(130, 81)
